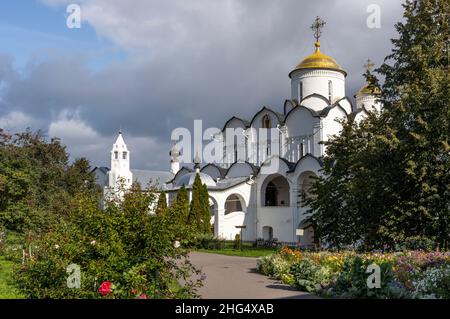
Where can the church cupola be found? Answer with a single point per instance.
(318, 74)
(367, 97)
(120, 164)
(174, 161)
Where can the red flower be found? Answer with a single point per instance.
(105, 288)
(143, 296)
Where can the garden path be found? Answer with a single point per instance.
(229, 277)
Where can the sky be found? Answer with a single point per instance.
(150, 66)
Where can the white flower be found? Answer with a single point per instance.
(56, 246)
(93, 242)
(176, 244)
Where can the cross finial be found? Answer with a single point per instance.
(317, 27)
(369, 65)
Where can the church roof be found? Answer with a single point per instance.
(188, 180)
(318, 60)
(156, 178)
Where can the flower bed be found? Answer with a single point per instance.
(409, 274)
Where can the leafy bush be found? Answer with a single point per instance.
(309, 276)
(265, 265)
(208, 241)
(237, 242)
(352, 280)
(122, 252)
(434, 283)
(417, 243)
(408, 274)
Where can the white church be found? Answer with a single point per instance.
(261, 187)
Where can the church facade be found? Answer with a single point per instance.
(258, 191)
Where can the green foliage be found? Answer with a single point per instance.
(237, 242)
(352, 279)
(161, 206)
(310, 277)
(124, 244)
(208, 241)
(417, 243)
(346, 274)
(387, 179)
(180, 208)
(434, 283)
(199, 216)
(37, 183)
(7, 288)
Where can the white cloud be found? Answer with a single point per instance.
(18, 121)
(186, 60)
(84, 141)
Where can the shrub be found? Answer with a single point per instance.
(308, 276)
(208, 241)
(237, 242)
(417, 243)
(135, 252)
(434, 283)
(352, 280)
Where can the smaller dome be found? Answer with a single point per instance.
(188, 180)
(369, 90)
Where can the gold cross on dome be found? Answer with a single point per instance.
(369, 65)
(317, 27)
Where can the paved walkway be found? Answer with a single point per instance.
(229, 277)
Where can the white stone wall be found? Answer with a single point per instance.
(315, 81)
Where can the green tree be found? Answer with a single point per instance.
(387, 179)
(161, 206)
(206, 213)
(180, 211)
(199, 215)
(37, 183)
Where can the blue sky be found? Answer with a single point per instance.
(30, 29)
(149, 66)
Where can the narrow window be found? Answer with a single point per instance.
(124, 155)
(300, 92)
(330, 91)
(116, 155)
(266, 122)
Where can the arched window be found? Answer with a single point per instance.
(116, 155)
(271, 194)
(266, 122)
(276, 193)
(233, 204)
(124, 155)
(330, 91)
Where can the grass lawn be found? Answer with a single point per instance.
(255, 252)
(247, 250)
(7, 290)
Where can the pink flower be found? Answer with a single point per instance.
(105, 288)
(143, 296)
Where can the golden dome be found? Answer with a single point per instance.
(369, 90)
(318, 60)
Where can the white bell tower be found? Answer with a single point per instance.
(120, 165)
(174, 161)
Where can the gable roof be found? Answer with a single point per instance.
(280, 116)
(156, 178)
(245, 123)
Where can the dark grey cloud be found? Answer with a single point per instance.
(188, 60)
